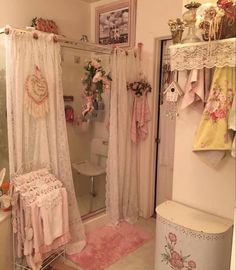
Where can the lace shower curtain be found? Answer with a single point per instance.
(122, 165)
(39, 140)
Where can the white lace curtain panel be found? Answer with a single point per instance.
(122, 166)
(40, 140)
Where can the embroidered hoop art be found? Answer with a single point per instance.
(36, 94)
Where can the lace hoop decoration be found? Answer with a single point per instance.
(219, 53)
(36, 94)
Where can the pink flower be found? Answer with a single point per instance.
(213, 116)
(176, 260)
(177, 264)
(175, 255)
(172, 237)
(192, 264)
(220, 113)
(95, 64)
(97, 77)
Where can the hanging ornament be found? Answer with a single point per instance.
(36, 94)
(172, 94)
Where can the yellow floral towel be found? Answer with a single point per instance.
(212, 132)
(232, 125)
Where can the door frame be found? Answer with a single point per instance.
(156, 85)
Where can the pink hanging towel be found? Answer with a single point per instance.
(194, 88)
(140, 117)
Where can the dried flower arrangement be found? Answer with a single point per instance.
(177, 28)
(217, 21)
(139, 87)
(96, 79)
(209, 20)
(44, 25)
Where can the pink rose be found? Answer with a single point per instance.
(213, 116)
(97, 77)
(172, 237)
(176, 264)
(95, 64)
(175, 255)
(220, 113)
(176, 260)
(192, 264)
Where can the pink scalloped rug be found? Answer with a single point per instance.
(108, 244)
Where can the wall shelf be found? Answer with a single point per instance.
(198, 55)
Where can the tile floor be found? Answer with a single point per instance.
(140, 259)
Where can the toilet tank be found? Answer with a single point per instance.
(187, 238)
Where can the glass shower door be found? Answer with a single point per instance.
(88, 140)
(3, 111)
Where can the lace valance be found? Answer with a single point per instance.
(218, 53)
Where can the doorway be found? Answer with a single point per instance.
(165, 139)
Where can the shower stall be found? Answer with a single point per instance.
(88, 140)
(3, 110)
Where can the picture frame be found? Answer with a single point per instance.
(115, 23)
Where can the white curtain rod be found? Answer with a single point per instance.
(65, 42)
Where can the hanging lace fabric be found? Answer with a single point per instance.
(41, 140)
(122, 165)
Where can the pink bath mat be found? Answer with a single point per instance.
(108, 244)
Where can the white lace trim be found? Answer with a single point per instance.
(219, 53)
(192, 233)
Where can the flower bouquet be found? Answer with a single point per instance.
(96, 80)
(209, 18)
(44, 25)
(228, 23)
(139, 87)
(177, 29)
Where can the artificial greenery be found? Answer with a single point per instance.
(96, 79)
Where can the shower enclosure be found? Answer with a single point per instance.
(3, 113)
(88, 140)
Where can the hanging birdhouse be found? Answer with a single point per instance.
(173, 92)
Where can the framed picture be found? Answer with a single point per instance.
(115, 23)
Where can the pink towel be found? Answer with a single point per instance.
(194, 88)
(140, 117)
